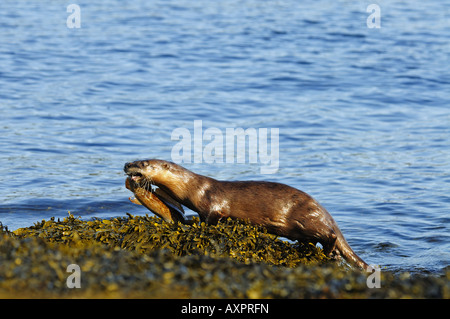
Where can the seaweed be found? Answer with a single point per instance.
(145, 257)
(232, 238)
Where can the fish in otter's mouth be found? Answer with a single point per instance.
(137, 179)
(154, 199)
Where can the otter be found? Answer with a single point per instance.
(283, 210)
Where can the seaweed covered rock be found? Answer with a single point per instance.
(232, 238)
(143, 257)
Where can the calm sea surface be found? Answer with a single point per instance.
(363, 113)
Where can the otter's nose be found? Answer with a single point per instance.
(127, 166)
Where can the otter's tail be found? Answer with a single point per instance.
(349, 255)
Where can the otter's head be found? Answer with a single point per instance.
(161, 173)
(174, 179)
(147, 170)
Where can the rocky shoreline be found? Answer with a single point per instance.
(145, 257)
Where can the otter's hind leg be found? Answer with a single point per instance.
(329, 244)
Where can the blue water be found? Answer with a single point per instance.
(363, 113)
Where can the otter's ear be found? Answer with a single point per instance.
(166, 166)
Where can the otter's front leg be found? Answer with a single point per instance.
(213, 218)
